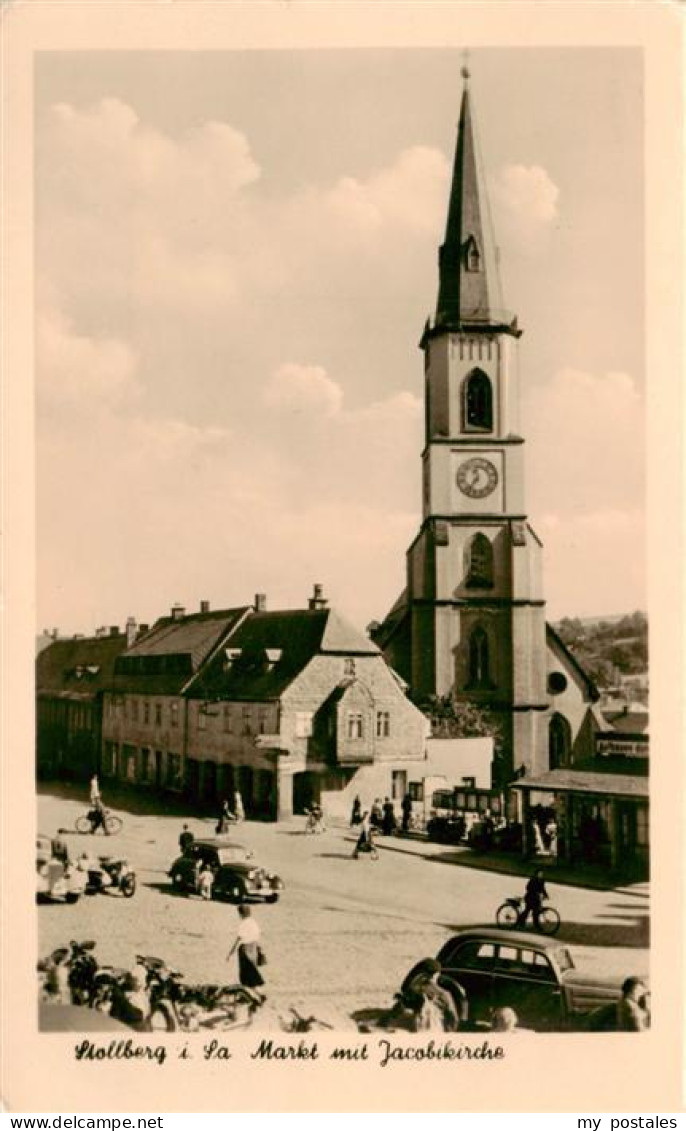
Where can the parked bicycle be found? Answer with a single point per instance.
(511, 914)
(95, 819)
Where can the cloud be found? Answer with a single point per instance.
(303, 388)
(585, 440)
(525, 200)
(81, 372)
(598, 561)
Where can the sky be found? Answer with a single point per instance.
(236, 253)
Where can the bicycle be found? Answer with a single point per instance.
(89, 823)
(510, 914)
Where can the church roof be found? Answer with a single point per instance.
(469, 294)
(78, 667)
(556, 642)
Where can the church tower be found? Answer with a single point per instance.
(472, 621)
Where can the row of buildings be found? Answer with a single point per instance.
(285, 706)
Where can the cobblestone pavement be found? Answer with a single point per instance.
(343, 934)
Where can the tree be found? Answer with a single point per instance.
(451, 718)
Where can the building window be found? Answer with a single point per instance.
(134, 710)
(303, 724)
(129, 762)
(174, 711)
(398, 784)
(355, 729)
(349, 666)
(471, 255)
(247, 720)
(146, 712)
(202, 716)
(479, 562)
(262, 720)
(479, 659)
(228, 719)
(158, 714)
(383, 724)
(559, 742)
(477, 404)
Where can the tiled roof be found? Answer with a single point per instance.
(295, 636)
(628, 722)
(166, 658)
(81, 666)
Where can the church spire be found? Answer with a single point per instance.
(469, 294)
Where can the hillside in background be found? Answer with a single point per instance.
(612, 649)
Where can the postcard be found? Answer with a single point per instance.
(343, 758)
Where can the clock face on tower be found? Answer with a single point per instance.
(477, 478)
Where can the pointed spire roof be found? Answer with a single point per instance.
(469, 293)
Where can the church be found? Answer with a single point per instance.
(471, 621)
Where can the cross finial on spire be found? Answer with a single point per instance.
(465, 68)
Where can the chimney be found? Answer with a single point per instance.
(260, 602)
(177, 611)
(114, 630)
(102, 631)
(317, 600)
(142, 629)
(130, 631)
(204, 606)
(55, 633)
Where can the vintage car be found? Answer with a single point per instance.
(533, 974)
(56, 876)
(235, 876)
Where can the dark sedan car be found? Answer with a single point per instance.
(235, 876)
(531, 973)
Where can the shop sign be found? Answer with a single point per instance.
(626, 747)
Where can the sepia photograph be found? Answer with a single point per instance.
(342, 680)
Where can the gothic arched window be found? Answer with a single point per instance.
(477, 407)
(479, 563)
(479, 661)
(559, 742)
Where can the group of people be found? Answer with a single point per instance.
(381, 815)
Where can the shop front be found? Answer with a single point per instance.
(599, 818)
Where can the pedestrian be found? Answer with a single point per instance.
(534, 895)
(356, 815)
(225, 818)
(205, 882)
(433, 1006)
(632, 1016)
(504, 1020)
(239, 811)
(250, 953)
(406, 806)
(376, 814)
(364, 839)
(94, 790)
(185, 839)
(388, 821)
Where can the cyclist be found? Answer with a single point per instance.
(534, 895)
(97, 810)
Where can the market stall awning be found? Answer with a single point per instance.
(586, 781)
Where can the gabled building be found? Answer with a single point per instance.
(72, 675)
(287, 707)
(145, 711)
(298, 706)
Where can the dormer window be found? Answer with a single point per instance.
(231, 655)
(477, 402)
(273, 656)
(471, 255)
